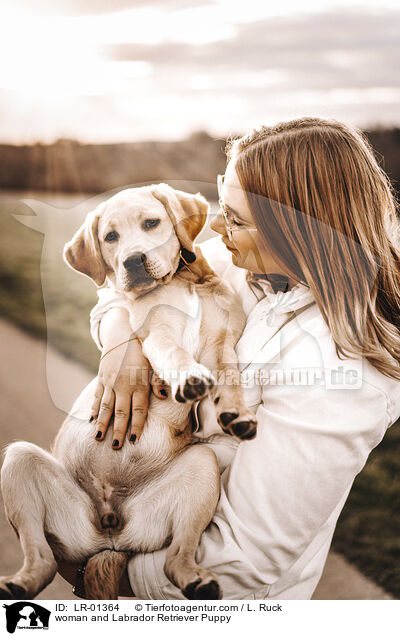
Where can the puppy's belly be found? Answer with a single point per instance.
(117, 481)
(76, 448)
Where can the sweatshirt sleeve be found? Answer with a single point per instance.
(108, 299)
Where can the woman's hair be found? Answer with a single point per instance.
(326, 211)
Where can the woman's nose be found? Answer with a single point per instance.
(218, 224)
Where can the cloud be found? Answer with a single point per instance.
(348, 49)
(334, 64)
(341, 64)
(94, 7)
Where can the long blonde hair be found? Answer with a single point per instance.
(325, 209)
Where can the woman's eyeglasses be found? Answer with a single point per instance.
(230, 223)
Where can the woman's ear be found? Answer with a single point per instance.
(83, 253)
(188, 213)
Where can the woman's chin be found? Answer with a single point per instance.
(236, 260)
(231, 250)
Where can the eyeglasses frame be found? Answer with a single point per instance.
(228, 227)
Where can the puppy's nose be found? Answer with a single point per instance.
(134, 261)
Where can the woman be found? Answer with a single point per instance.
(308, 219)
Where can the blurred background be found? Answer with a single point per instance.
(95, 97)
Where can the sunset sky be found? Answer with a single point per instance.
(162, 69)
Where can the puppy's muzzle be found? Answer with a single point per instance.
(136, 269)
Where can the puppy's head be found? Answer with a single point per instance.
(136, 238)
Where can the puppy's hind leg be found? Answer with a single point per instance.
(36, 488)
(198, 491)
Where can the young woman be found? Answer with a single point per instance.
(308, 239)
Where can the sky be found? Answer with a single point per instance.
(102, 71)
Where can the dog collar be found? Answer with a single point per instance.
(186, 258)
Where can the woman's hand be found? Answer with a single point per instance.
(123, 385)
(123, 388)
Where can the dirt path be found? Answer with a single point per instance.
(28, 413)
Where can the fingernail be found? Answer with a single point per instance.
(132, 438)
(98, 434)
(163, 392)
(115, 443)
(91, 418)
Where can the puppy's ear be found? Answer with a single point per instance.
(83, 251)
(188, 213)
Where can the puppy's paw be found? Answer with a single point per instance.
(194, 581)
(241, 424)
(11, 591)
(193, 384)
(203, 590)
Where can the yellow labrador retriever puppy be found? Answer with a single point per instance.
(86, 503)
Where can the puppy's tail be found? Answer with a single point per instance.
(103, 573)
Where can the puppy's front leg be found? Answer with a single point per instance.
(188, 379)
(218, 354)
(233, 415)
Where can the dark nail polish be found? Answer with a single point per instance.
(98, 434)
(132, 438)
(163, 392)
(91, 418)
(115, 443)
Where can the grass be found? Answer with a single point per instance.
(368, 531)
(38, 292)
(42, 296)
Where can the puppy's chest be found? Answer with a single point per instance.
(176, 307)
(190, 337)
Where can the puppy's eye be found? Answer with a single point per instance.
(111, 236)
(148, 224)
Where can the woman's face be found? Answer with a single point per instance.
(246, 246)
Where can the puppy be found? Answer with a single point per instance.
(86, 503)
